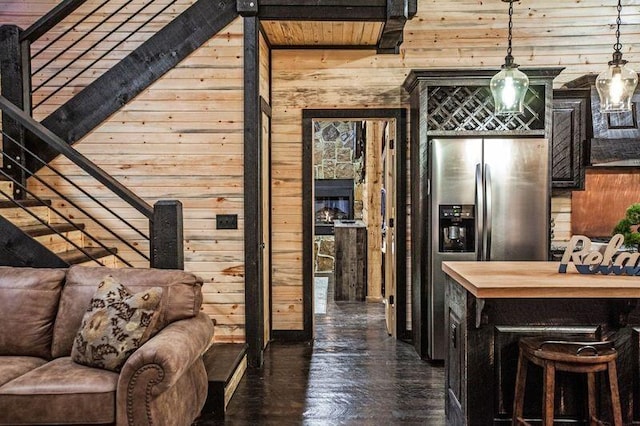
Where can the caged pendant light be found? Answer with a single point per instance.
(617, 83)
(509, 86)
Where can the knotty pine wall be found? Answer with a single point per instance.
(575, 34)
(182, 138)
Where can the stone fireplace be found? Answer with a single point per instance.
(338, 156)
(333, 201)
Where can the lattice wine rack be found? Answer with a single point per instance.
(470, 108)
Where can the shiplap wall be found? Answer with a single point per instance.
(182, 138)
(575, 34)
(78, 50)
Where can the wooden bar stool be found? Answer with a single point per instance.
(575, 357)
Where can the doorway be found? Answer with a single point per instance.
(386, 273)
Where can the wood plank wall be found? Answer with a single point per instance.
(180, 139)
(122, 32)
(577, 35)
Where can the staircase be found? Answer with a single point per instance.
(36, 221)
(29, 145)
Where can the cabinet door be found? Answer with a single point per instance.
(616, 125)
(568, 143)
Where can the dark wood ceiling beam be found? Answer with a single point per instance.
(321, 10)
(321, 13)
(137, 71)
(392, 31)
(322, 3)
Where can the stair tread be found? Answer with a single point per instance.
(29, 202)
(222, 359)
(40, 230)
(73, 257)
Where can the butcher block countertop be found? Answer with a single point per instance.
(498, 280)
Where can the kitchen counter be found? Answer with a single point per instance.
(537, 280)
(491, 305)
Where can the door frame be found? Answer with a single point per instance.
(400, 117)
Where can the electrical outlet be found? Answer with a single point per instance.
(227, 221)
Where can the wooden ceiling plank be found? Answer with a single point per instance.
(317, 33)
(338, 33)
(322, 13)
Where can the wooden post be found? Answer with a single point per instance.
(253, 247)
(167, 242)
(17, 90)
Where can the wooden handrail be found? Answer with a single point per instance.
(76, 157)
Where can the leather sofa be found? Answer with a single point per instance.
(164, 382)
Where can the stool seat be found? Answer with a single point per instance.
(571, 356)
(544, 348)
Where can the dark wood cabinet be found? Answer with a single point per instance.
(570, 137)
(482, 349)
(612, 139)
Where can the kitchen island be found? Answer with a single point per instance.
(491, 305)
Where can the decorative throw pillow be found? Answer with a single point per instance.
(115, 325)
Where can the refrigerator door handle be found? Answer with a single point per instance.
(479, 214)
(487, 213)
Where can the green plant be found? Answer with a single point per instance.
(624, 227)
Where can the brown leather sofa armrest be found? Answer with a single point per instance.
(158, 364)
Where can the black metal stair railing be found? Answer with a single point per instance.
(53, 229)
(164, 240)
(158, 34)
(93, 57)
(84, 44)
(59, 214)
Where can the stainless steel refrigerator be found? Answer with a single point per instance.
(489, 199)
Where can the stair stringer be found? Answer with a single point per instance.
(19, 249)
(133, 74)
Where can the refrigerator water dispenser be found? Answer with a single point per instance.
(457, 228)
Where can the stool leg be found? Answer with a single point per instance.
(591, 398)
(549, 393)
(518, 398)
(615, 396)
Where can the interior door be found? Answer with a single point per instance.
(265, 172)
(390, 234)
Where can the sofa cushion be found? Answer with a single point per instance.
(15, 366)
(28, 303)
(62, 392)
(181, 297)
(115, 325)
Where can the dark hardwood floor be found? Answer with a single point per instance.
(352, 374)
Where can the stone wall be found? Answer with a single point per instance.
(334, 157)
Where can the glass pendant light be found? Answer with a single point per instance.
(617, 83)
(509, 86)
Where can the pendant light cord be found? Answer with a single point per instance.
(618, 45)
(508, 60)
(617, 48)
(511, 27)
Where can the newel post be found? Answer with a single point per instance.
(167, 242)
(16, 87)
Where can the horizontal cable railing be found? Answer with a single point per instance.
(75, 205)
(59, 216)
(52, 228)
(164, 240)
(80, 40)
